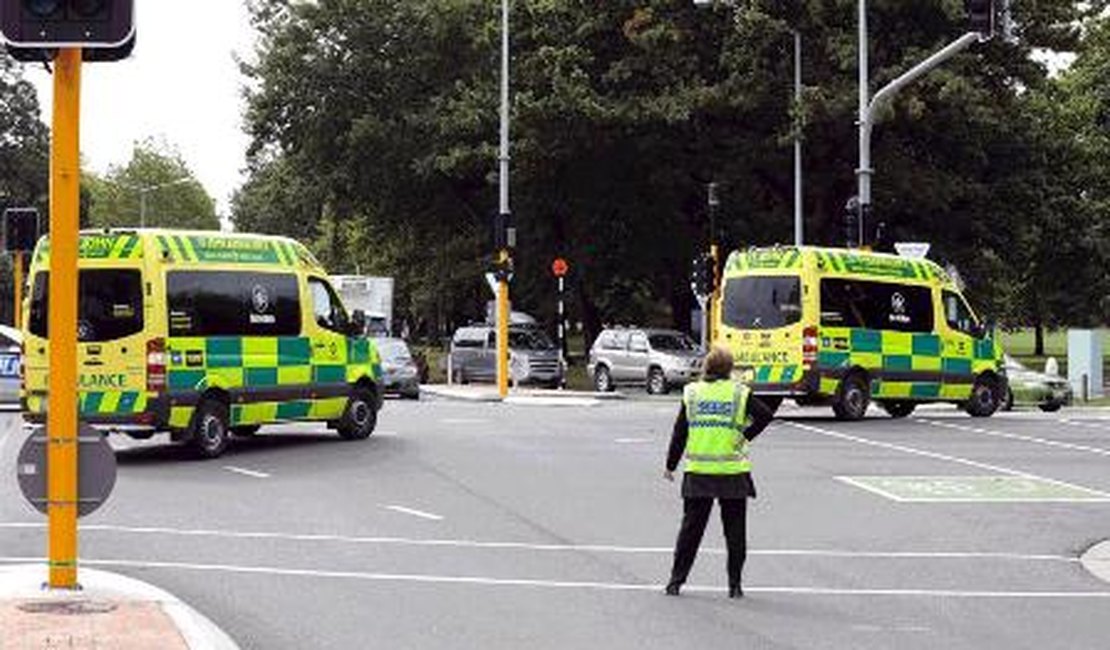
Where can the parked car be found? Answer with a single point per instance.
(11, 359)
(400, 375)
(533, 357)
(1031, 388)
(656, 358)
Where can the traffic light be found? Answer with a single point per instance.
(701, 276)
(980, 16)
(21, 229)
(851, 222)
(48, 24)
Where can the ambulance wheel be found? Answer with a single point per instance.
(360, 417)
(245, 430)
(209, 430)
(603, 381)
(656, 382)
(852, 397)
(985, 398)
(898, 408)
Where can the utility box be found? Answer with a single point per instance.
(1085, 363)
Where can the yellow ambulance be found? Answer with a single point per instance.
(205, 335)
(847, 327)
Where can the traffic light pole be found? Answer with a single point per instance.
(61, 417)
(503, 256)
(17, 315)
(868, 106)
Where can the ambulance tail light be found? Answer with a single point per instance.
(156, 365)
(809, 346)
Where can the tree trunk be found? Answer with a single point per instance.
(1038, 338)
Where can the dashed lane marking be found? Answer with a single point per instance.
(246, 472)
(578, 585)
(945, 457)
(572, 548)
(415, 513)
(631, 441)
(1014, 436)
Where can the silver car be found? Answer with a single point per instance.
(533, 358)
(11, 358)
(656, 358)
(399, 372)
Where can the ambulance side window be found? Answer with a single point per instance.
(327, 308)
(232, 303)
(959, 315)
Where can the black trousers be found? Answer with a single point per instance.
(734, 515)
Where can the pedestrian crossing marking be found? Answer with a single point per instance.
(974, 489)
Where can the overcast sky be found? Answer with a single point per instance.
(181, 84)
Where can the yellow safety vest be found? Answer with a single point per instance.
(716, 413)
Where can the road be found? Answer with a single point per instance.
(506, 526)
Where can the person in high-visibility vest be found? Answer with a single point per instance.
(717, 420)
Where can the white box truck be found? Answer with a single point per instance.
(373, 295)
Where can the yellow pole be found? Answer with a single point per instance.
(715, 295)
(65, 179)
(17, 315)
(503, 329)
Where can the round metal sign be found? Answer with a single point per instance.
(96, 469)
(559, 267)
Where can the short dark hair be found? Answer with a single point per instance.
(718, 363)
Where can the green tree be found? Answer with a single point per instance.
(156, 187)
(24, 151)
(376, 122)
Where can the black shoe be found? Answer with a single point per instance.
(736, 591)
(672, 589)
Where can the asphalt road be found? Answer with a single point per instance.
(507, 526)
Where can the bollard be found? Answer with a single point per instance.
(450, 371)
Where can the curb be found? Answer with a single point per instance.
(1097, 560)
(24, 582)
(525, 396)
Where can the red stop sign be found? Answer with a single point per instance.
(559, 267)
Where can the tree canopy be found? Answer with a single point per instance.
(374, 128)
(156, 180)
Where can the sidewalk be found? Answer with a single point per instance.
(110, 611)
(519, 396)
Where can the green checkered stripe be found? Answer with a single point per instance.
(112, 402)
(257, 365)
(776, 374)
(904, 364)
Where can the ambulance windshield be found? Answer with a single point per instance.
(762, 302)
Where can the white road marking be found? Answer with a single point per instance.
(855, 482)
(1085, 425)
(415, 513)
(1014, 436)
(463, 421)
(573, 548)
(581, 585)
(631, 441)
(246, 472)
(945, 457)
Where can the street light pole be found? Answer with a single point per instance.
(798, 224)
(863, 173)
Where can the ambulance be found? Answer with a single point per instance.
(847, 327)
(204, 335)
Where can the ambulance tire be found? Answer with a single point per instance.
(898, 408)
(209, 432)
(986, 398)
(360, 417)
(852, 397)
